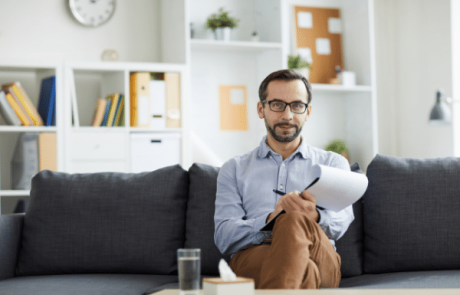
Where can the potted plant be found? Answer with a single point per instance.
(221, 24)
(300, 66)
(339, 147)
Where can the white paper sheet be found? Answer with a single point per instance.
(336, 189)
(237, 96)
(323, 46)
(304, 19)
(334, 25)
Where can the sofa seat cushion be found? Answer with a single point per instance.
(110, 284)
(411, 215)
(400, 280)
(104, 223)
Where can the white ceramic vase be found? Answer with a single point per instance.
(223, 34)
(303, 71)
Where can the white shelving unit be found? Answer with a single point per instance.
(98, 149)
(339, 112)
(29, 74)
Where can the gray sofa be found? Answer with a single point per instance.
(115, 233)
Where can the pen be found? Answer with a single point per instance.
(282, 194)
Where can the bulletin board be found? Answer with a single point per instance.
(233, 107)
(318, 35)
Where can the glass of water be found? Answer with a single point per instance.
(188, 261)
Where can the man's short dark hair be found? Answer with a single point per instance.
(286, 75)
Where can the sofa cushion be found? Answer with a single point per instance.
(411, 214)
(350, 245)
(199, 231)
(104, 223)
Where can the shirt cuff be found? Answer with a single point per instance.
(321, 218)
(261, 221)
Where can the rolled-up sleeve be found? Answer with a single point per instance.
(335, 224)
(232, 230)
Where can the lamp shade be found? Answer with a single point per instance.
(440, 113)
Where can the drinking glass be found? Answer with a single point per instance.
(188, 261)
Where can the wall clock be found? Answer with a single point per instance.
(92, 13)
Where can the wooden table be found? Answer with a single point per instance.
(344, 292)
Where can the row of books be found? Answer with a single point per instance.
(17, 108)
(155, 100)
(109, 111)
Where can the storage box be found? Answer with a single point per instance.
(217, 286)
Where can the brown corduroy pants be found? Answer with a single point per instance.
(299, 255)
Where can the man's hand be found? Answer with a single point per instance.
(294, 201)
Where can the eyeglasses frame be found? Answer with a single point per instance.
(286, 104)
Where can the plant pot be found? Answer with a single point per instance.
(303, 71)
(223, 34)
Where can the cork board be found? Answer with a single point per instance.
(317, 30)
(233, 107)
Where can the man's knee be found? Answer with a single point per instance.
(295, 218)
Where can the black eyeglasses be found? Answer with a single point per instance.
(279, 106)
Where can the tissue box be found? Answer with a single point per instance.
(217, 286)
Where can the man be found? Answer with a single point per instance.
(299, 252)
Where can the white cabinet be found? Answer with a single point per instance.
(151, 151)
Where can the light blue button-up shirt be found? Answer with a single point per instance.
(245, 194)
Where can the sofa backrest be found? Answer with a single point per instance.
(411, 214)
(104, 223)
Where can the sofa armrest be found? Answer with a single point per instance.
(10, 241)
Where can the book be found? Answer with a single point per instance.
(47, 152)
(7, 111)
(157, 104)
(172, 81)
(99, 112)
(120, 112)
(9, 90)
(26, 103)
(47, 101)
(17, 109)
(115, 97)
(140, 99)
(333, 188)
(106, 111)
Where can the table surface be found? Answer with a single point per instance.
(343, 292)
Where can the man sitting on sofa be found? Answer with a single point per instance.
(299, 252)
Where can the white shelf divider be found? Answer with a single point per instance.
(203, 44)
(14, 193)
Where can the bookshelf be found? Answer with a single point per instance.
(29, 74)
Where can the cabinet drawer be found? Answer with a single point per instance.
(98, 146)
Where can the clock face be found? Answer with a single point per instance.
(92, 12)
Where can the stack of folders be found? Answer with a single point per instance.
(17, 108)
(109, 111)
(155, 100)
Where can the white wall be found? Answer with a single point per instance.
(46, 30)
(413, 49)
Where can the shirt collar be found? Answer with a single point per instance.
(265, 150)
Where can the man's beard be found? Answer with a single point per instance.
(281, 138)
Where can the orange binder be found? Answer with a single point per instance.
(47, 152)
(140, 99)
(17, 109)
(172, 81)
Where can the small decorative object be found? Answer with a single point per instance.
(336, 80)
(221, 24)
(348, 79)
(339, 147)
(110, 55)
(92, 13)
(255, 36)
(300, 66)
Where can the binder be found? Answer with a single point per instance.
(7, 111)
(47, 101)
(157, 104)
(26, 103)
(99, 112)
(47, 151)
(17, 109)
(140, 99)
(18, 105)
(24, 164)
(172, 82)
